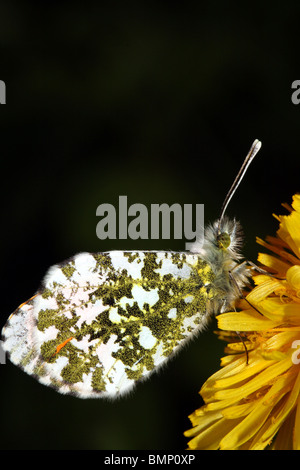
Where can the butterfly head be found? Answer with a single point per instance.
(227, 236)
(221, 241)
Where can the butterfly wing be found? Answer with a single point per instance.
(102, 321)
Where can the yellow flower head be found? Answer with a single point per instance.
(247, 405)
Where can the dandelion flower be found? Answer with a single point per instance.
(257, 404)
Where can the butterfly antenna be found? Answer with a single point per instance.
(251, 154)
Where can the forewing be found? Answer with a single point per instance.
(103, 321)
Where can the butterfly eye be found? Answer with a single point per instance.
(223, 240)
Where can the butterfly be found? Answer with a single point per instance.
(101, 322)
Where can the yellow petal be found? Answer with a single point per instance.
(268, 430)
(247, 428)
(283, 412)
(274, 263)
(230, 359)
(281, 340)
(284, 437)
(238, 347)
(238, 411)
(273, 355)
(245, 321)
(210, 438)
(279, 312)
(261, 291)
(249, 370)
(202, 422)
(259, 381)
(293, 277)
(277, 246)
(296, 202)
(291, 225)
(231, 368)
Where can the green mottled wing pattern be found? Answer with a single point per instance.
(102, 321)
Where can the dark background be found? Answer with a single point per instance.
(159, 102)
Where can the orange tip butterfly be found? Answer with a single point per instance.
(101, 322)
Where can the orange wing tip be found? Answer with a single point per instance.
(61, 345)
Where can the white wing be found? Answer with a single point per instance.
(102, 321)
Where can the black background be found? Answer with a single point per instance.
(159, 101)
